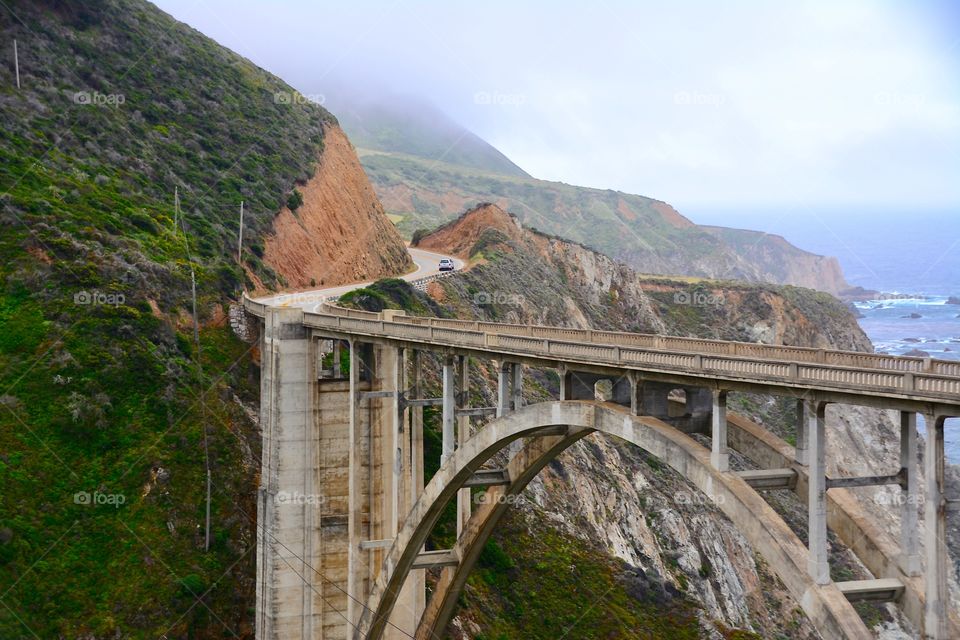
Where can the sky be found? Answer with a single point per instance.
(709, 106)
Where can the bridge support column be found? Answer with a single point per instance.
(817, 563)
(566, 383)
(393, 359)
(719, 455)
(463, 434)
(935, 532)
(517, 386)
(505, 392)
(909, 497)
(449, 407)
(287, 545)
(417, 580)
(356, 569)
(336, 359)
(636, 393)
(801, 452)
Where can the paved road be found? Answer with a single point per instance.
(426, 261)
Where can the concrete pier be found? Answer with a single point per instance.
(817, 564)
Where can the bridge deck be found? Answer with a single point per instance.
(847, 373)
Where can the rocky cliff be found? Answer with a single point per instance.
(608, 498)
(780, 261)
(522, 274)
(340, 233)
(651, 236)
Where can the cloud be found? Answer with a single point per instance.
(700, 104)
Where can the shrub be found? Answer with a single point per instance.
(294, 200)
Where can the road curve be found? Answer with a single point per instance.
(427, 265)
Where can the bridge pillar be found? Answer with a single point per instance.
(636, 395)
(909, 497)
(517, 386)
(818, 563)
(463, 434)
(504, 388)
(336, 359)
(287, 541)
(417, 580)
(566, 381)
(356, 572)
(719, 455)
(449, 407)
(935, 532)
(801, 451)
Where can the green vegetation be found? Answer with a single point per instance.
(625, 226)
(391, 293)
(294, 200)
(110, 411)
(533, 581)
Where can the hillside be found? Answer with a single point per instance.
(606, 519)
(552, 281)
(112, 406)
(424, 190)
(416, 129)
(783, 262)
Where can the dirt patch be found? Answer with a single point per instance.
(340, 234)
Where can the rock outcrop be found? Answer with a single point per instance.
(607, 493)
(779, 261)
(340, 234)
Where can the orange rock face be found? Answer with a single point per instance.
(460, 235)
(340, 234)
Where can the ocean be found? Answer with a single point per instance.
(903, 253)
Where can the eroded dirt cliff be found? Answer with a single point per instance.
(340, 234)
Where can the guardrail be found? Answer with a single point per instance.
(420, 284)
(785, 366)
(705, 346)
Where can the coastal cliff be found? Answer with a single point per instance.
(643, 521)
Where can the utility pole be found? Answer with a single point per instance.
(240, 240)
(206, 544)
(16, 62)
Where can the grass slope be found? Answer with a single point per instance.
(105, 396)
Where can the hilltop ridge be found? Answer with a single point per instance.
(426, 187)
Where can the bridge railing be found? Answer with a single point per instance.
(784, 372)
(700, 345)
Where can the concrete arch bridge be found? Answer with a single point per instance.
(344, 512)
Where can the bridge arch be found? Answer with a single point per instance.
(552, 427)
